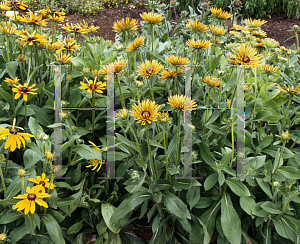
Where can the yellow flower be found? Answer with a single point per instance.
(53, 11)
(89, 28)
(259, 33)
(218, 30)
(24, 90)
(113, 68)
(93, 85)
(163, 117)
(182, 102)
(125, 25)
(10, 81)
(169, 73)
(212, 81)
(63, 58)
(14, 138)
(151, 17)
(228, 102)
(238, 27)
(289, 89)
(6, 28)
(31, 38)
(75, 28)
(145, 112)
(95, 162)
(177, 60)
(196, 26)
(63, 115)
(135, 44)
(68, 44)
(269, 68)
(149, 68)
(42, 181)
(246, 55)
(48, 155)
(254, 24)
(199, 44)
(34, 19)
(4, 7)
(19, 4)
(123, 113)
(247, 86)
(51, 46)
(55, 18)
(2, 237)
(34, 196)
(22, 57)
(219, 13)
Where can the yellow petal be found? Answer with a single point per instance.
(32, 207)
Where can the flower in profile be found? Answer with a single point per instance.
(75, 28)
(3, 237)
(113, 68)
(135, 44)
(29, 199)
(254, 24)
(55, 169)
(151, 17)
(163, 117)
(42, 181)
(196, 26)
(6, 28)
(259, 33)
(238, 27)
(63, 58)
(246, 55)
(96, 73)
(145, 112)
(298, 61)
(56, 18)
(96, 163)
(289, 89)
(181, 102)
(30, 39)
(199, 44)
(68, 44)
(22, 57)
(35, 19)
(123, 113)
(93, 85)
(10, 81)
(220, 14)
(149, 68)
(247, 87)
(269, 42)
(218, 30)
(231, 59)
(4, 7)
(125, 25)
(89, 28)
(48, 155)
(14, 138)
(24, 90)
(177, 60)
(19, 4)
(51, 46)
(169, 73)
(212, 81)
(269, 69)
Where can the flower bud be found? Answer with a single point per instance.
(22, 57)
(163, 117)
(237, 3)
(285, 136)
(2, 237)
(73, 127)
(68, 78)
(48, 155)
(276, 184)
(21, 172)
(139, 83)
(63, 115)
(55, 169)
(123, 113)
(173, 3)
(119, 47)
(86, 70)
(135, 175)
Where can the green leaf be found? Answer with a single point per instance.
(9, 217)
(14, 187)
(86, 152)
(8, 202)
(290, 229)
(30, 158)
(181, 184)
(230, 221)
(210, 181)
(81, 62)
(277, 163)
(6, 96)
(206, 154)
(279, 227)
(126, 141)
(29, 111)
(107, 211)
(34, 127)
(271, 207)
(172, 169)
(289, 172)
(156, 144)
(193, 196)
(30, 224)
(69, 143)
(264, 186)
(54, 230)
(175, 205)
(18, 233)
(238, 187)
(247, 204)
(75, 227)
(266, 141)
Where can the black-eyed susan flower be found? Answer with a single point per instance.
(56, 18)
(269, 69)
(21, 32)
(269, 42)
(113, 68)
(254, 24)
(22, 57)
(199, 44)
(259, 33)
(151, 17)
(218, 30)
(177, 60)
(10, 81)
(163, 117)
(53, 45)
(42, 181)
(289, 89)
(93, 85)
(228, 102)
(7, 29)
(19, 4)
(24, 90)
(4, 7)
(246, 55)
(220, 14)
(238, 27)
(212, 81)
(35, 19)
(196, 26)
(231, 59)
(135, 44)
(48, 154)
(53, 11)
(75, 28)
(125, 25)
(149, 68)
(169, 73)
(30, 39)
(145, 112)
(63, 58)
(181, 102)
(14, 137)
(95, 163)
(29, 199)
(68, 44)
(89, 28)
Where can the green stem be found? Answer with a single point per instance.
(266, 88)
(6, 162)
(178, 139)
(121, 95)
(3, 183)
(25, 104)
(166, 154)
(295, 142)
(7, 49)
(93, 114)
(154, 173)
(287, 109)
(152, 34)
(212, 50)
(286, 206)
(297, 40)
(279, 159)
(232, 144)
(208, 97)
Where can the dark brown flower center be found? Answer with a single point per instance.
(245, 59)
(42, 183)
(31, 38)
(146, 114)
(92, 87)
(31, 197)
(66, 46)
(13, 131)
(149, 71)
(24, 89)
